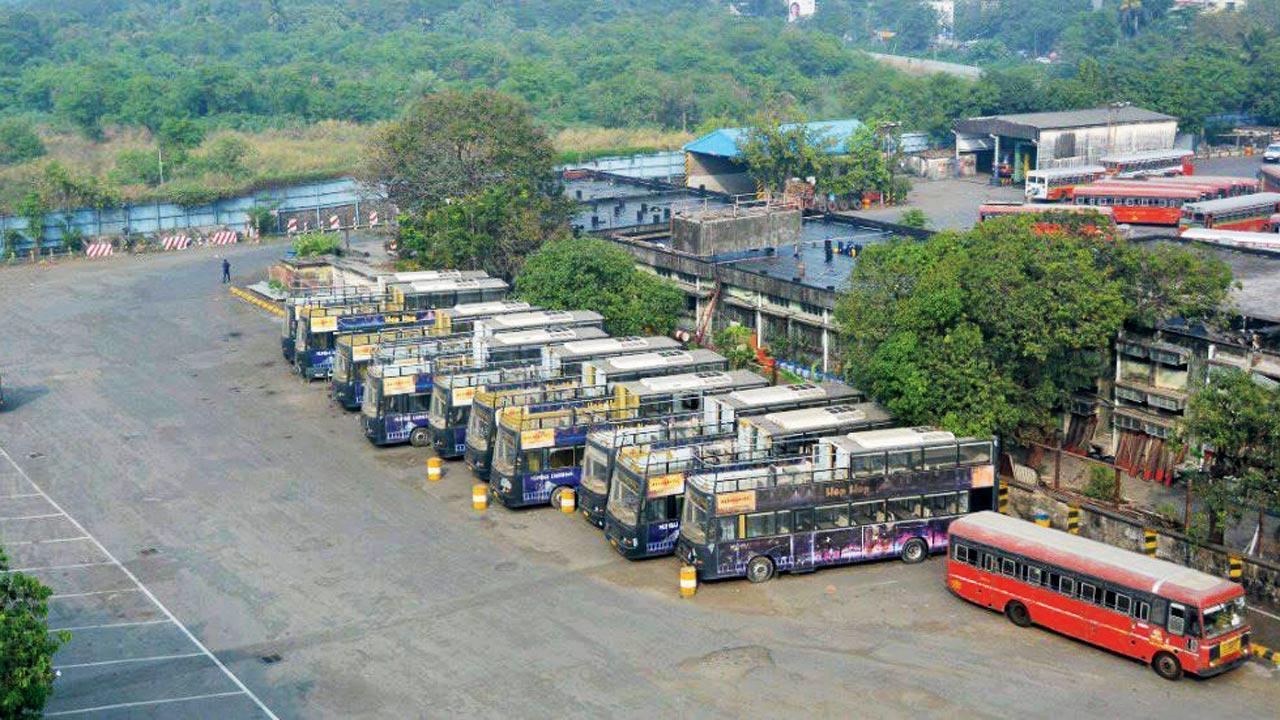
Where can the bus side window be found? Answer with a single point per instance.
(1066, 586)
(533, 461)
(562, 458)
(1177, 619)
(832, 517)
(728, 528)
(867, 513)
(989, 562)
(960, 552)
(1034, 576)
(760, 525)
(1142, 610)
(1008, 567)
(804, 520)
(1088, 593)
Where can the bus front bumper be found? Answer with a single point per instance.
(592, 506)
(445, 442)
(623, 540)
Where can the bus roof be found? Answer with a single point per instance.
(541, 318)
(420, 275)
(584, 348)
(659, 359)
(705, 381)
(447, 284)
(484, 309)
(544, 336)
(1209, 179)
(1238, 202)
(807, 420)
(1051, 173)
(1135, 190)
(1171, 154)
(1041, 209)
(1265, 241)
(1107, 562)
(893, 438)
(786, 394)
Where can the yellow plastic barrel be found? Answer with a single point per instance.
(688, 580)
(479, 496)
(568, 500)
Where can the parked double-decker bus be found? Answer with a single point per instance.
(1249, 213)
(1265, 242)
(567, 358)
(795, 431)
(1136, 204)
(469, 313)
(488, 405)
(718, 418)
(317, 340)
(452, 396)
(397, 388)
(526, 345)
(298, 311)
(353, 351)
(622, 368)
(447, 292)
(1172, 617)
(536, 319)
(1054, 184)
(863, 496)
(1149, 163)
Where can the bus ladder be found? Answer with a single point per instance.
(704, 322)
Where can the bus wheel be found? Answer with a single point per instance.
(1017, 613)
(914, 550)
(1166, 666)
(420, 437)
(760, 569)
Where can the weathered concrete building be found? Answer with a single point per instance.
(1034, 141)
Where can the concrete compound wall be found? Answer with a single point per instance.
(721, 232)
(1261, 578)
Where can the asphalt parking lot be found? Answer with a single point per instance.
(217, 492)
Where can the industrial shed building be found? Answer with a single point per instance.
(713, 162)
(1069, 138)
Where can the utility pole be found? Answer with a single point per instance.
(160, 162)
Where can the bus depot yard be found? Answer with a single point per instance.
(223, 540)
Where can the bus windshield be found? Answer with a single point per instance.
(504, 453)
(595, 467)
(439, 406)
(478, 427)
(1224, 618)
(624, 497)
(693, 524)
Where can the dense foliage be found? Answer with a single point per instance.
(26, 645)
(591, 274)
(1237, 421)
(992, 329)
(315, 243)
(615, 63)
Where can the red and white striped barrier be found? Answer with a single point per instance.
(334, 222)
(292, 227)
(98, 250)
(177, 242)
(373, 218)
(223, 237)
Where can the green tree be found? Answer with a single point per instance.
(914, 218)
(586, 273)
(864, 168)
(313, 244)
(225, 154)
(494, 230)
(26, 645)
(1234, 424)
(774, 152)
(451, 145)
(980, 332)
(18, 142)
(136, 167)
(734, 343)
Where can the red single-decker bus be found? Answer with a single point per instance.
(1250, 213)
(1138, 205)
(1172, 617)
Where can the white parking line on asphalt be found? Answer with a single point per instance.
(31, 517)
(42, 542)
(95, 592)
(19, 495)
(141, 703)
(142, 589)
(59, 567)
(1273, 616)
(78, 628)
(119, 661)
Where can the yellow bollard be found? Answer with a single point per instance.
(1073, 520)
(435, 469)
(1150, 541)
(568, 500)
(688, 581)
(1235, 567)
(479, 496)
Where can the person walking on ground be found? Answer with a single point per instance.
(226, 270)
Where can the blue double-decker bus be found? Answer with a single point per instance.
(397, 388)
(864, 496)
(453, 394)
(318, 342)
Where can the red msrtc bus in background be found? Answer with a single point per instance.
(1105, 218)
(1172, 617)
(1230, 185)
(1137, 203)
(1054, 184)
(1270, 178)
(1149, 163)
(1251, 213)
(1262, 242)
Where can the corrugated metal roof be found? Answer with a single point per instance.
(1026, 125)
(724, 142)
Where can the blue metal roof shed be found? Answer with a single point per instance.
(724, 142)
